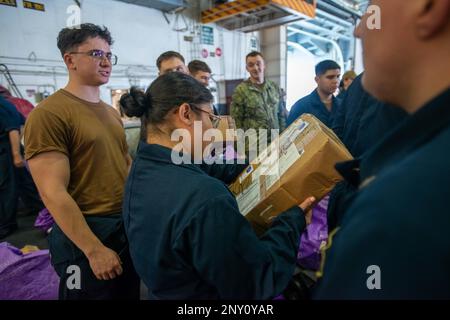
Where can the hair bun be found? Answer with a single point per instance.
(135, 103)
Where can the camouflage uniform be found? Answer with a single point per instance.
(257, 107)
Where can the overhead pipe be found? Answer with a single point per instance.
(341, 5)
(314, 27)
(334, 19)
(320, 38)
(333, 10)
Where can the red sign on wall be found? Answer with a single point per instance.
(218, 52)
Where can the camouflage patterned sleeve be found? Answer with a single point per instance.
(282, 116)
(281, 107)
(237, 109)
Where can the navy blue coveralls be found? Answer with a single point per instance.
(361, 122)
(395, 232)
(313, 105)
(188, 239)
(25, 188)
(9, 121)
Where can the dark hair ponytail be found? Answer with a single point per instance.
(135, 103)
(166, 93)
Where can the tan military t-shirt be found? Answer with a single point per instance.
(91, 135)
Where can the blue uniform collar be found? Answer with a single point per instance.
(317, 99)
(416, 130)
(159, 153)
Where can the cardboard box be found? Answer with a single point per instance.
(299, 164)
(225, 144)
(227, 122)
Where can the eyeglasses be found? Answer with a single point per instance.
(100, 55)
(214, 119)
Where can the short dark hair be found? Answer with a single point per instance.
(166, 56)
(253, 54)
(166, 93)
(196, 65)
(69, 38)
(323, 66)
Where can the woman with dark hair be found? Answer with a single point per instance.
(187, 238)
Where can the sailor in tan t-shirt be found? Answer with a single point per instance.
(76, 149)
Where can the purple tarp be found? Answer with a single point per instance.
(26, 276)
(44, 221)
(315, 236)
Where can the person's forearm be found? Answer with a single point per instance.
(129, 161)
(14, 140)
(70, 219)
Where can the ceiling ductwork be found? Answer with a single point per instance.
(254, 15)
(163, 5)
(345, 9)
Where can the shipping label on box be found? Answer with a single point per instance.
(298, 164)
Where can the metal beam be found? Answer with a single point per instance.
(332, 42)
(316, 28)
